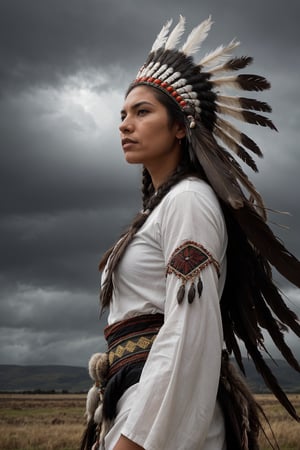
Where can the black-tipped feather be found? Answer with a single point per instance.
(258, 119)
(250, 144)
(216, 170)
(270, 380)
(238, 63)
(244, 304)
(275, 301)
(236, 148)
(255, 105)
(268, 322)
(259, 233)
(253, 82)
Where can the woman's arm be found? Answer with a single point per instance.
(126, 444)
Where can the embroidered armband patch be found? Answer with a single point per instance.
(186, 262)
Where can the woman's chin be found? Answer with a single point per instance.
(132, 159)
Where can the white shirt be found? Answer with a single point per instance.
(173, 407)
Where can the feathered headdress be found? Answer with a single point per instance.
(197, 89)
(250, 296)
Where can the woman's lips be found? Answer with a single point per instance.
(126, 143)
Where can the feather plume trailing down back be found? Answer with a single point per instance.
(262, 237)
(196, 37)
(223, 172)
(225, 186)
(260, 299)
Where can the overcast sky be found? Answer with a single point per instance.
(66, 192)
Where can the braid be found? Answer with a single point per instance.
(115, 253)
(147, 187)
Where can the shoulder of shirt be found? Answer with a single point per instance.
(194, 185)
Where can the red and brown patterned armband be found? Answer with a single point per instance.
(187, 262)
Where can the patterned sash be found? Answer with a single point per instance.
(130, 341)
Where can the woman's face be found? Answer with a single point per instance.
(146, 135)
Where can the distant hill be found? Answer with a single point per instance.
(44, 378)
(76, 379)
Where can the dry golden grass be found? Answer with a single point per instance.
(55, 422)
(41, 422)
(286, 430)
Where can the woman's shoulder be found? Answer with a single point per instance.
(193, 185)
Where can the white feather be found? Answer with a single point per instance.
(228, 100)
(98, 414)
(220, 54)
(162, 36)
(196, 37)
(92, 401)
(176, 34)
(227, 81)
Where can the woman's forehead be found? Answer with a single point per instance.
(138, 94)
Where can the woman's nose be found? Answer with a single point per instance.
(126, 125)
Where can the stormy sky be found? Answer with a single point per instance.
(66, 192)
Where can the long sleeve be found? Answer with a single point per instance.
(176, 396)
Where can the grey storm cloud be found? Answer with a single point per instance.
(66, 192)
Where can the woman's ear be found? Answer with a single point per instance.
(180, 131)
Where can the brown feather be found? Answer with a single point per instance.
(250, 144)
(236, 148)
(268, 322)
(271, 380)
(246, 116)
(216, 170)
(238, 136)
(258, 119)
(255, 105)
(181, 294)
(240, 175)
(275, 301)
(199, 287)
(259, 233)
(238, 63)
(232, 65)
(243, 81)
(191, 293)
(253, 82)
(243, 103)
(242, 319)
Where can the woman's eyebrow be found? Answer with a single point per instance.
(137, 105)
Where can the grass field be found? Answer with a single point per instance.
(55, 422)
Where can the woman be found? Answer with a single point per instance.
(193, 269)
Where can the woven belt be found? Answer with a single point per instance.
(129, 341)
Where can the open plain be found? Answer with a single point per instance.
(56, 422)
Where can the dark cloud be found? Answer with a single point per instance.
(42, 42)
(66, 193)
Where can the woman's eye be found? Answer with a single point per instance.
(142, 112)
